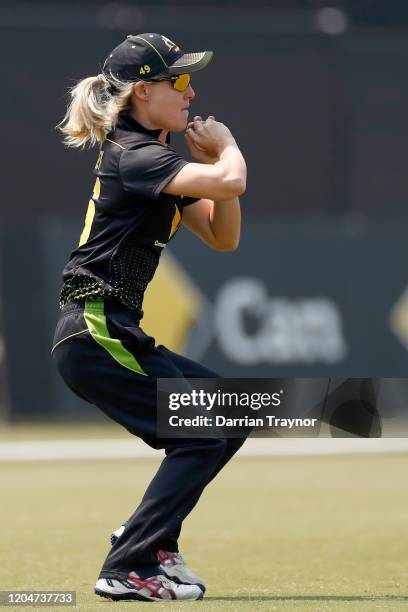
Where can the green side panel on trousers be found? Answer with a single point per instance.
(96, 321)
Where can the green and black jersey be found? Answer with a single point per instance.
(129, 220)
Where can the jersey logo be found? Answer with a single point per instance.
(170, 44)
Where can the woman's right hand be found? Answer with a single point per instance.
(221, 173)
(210, 136)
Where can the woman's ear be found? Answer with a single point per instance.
(141, 90)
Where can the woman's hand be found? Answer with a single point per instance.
(222, 175)
(196, 151)
(206, 139)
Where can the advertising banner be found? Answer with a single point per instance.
(304, 299)
(301, 299)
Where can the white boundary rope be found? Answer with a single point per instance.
(134, 449)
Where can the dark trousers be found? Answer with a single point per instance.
(98, 348)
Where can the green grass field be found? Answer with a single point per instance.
(302, 533)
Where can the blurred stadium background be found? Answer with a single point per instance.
(316, 93)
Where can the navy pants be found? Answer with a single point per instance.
(105, 358)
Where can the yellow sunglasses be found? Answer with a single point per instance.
(180, 81)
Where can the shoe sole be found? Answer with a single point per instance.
(138, 597)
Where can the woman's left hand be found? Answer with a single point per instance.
(197, 152)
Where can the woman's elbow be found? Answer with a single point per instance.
(234, 187)
(240, 186)
(226, 246)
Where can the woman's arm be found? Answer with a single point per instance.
(217, 223)
(224, 179)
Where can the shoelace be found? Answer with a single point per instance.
(166, 582)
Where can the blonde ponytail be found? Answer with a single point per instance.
(93, 110)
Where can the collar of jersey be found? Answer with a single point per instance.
(129, 123)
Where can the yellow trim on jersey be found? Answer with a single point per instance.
(97, 189)
(99, 160)
(175, 223)
(88, 223)
(116, 143)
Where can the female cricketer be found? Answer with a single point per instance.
(143, 191)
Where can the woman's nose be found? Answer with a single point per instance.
(189, 93)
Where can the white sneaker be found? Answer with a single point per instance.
(116, 534)
(175, 568)
(172, 564)
(156, 588)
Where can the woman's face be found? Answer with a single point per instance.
(167, 108)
